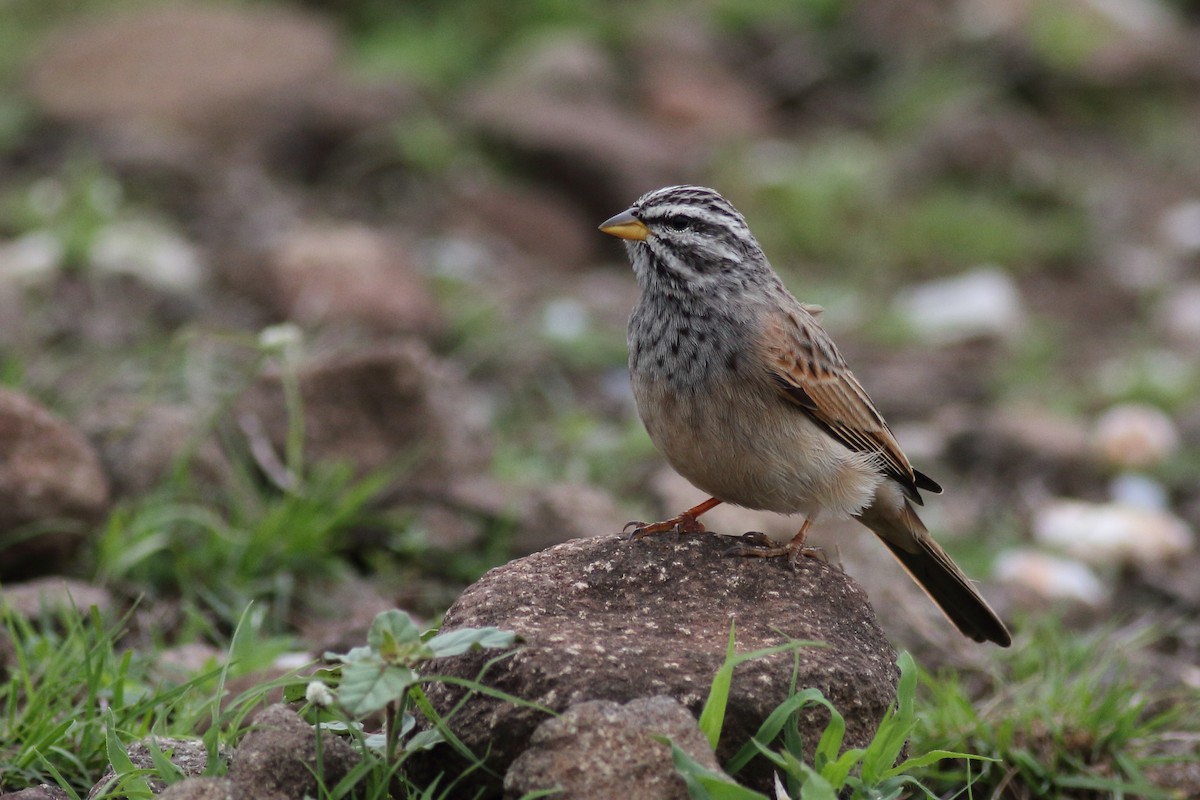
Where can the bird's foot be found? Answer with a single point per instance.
(756, 544)
(684, 523)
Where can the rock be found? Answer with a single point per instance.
(1135, 435)
(686, 84)
(148, 252)
(1178, 314)
(609, 619)
(205, 789)
(54, 594)
(181, 66)
(33, 259)
(42, 792)
(1180, 228)
(982, 302)
(278, 757)
(1108, 533)
(600, 750)
(1039, 577)
(324, 274)
(585, 143)
(190, 756)
(390, 405)
(553, 513)
(48, 473)
(141, 445)
(542, 223)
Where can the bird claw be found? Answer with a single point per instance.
(684, 523)
(756, 544)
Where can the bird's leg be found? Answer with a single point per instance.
(759, 545)
(686, 522)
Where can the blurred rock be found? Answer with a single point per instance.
(386, 406)
(53, 595)
(190, 757)
(32, 259)
(1107, 534)
(141, 445)
(584, 143)
(1180, 227)
(181, 66)
(1135, 435)
(601, 750)
(1178, 314)
(981, 302)
(1038, 577)
(609, 619)
(545, 224)
(557, 512)
(1141, 491)
(185, 661)
(687, 84)
(1120, 41)
(339, 274)
(49, 477)
(149, 252)
(279, 758)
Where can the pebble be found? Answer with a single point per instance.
(32, 259)
(1179, 314)
(149, 252)
(1105, 534)
(1135, 435)
(982, 302)
(1050, 577)
(1180, 227)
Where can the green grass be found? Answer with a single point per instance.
(1064, 716)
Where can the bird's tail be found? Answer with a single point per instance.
(930, 566)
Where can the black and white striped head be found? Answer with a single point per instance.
(689, 238)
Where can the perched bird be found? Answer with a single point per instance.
(748, 398)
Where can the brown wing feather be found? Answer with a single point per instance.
(812, 375)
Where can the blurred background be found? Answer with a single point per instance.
(305, 296)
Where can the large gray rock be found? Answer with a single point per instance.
(600, 750)
(610, 619)
(279, 758)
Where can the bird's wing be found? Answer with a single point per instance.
(811, 374)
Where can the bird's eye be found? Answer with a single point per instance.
(676, 223)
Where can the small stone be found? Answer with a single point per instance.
(150, 253)
(42, 792)
(1108, 534)
(54, 595)
(48, 471)
(1135, 435)
(600, 750)
(278, 757)
(31, 260)
(190, 756)
(983, 302)
(1179, 314)
(204, 789)
(1050, 577)
(1180, 227)
(1138, 490)
(325, 274)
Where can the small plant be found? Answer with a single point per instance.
(830, 773)
(383, 676)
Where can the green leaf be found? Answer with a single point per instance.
(389, 631)
(704, 784)
(457, 642)
(772, 725)
(712, 716)
(368, 687)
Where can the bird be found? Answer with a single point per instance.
(745, 394)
